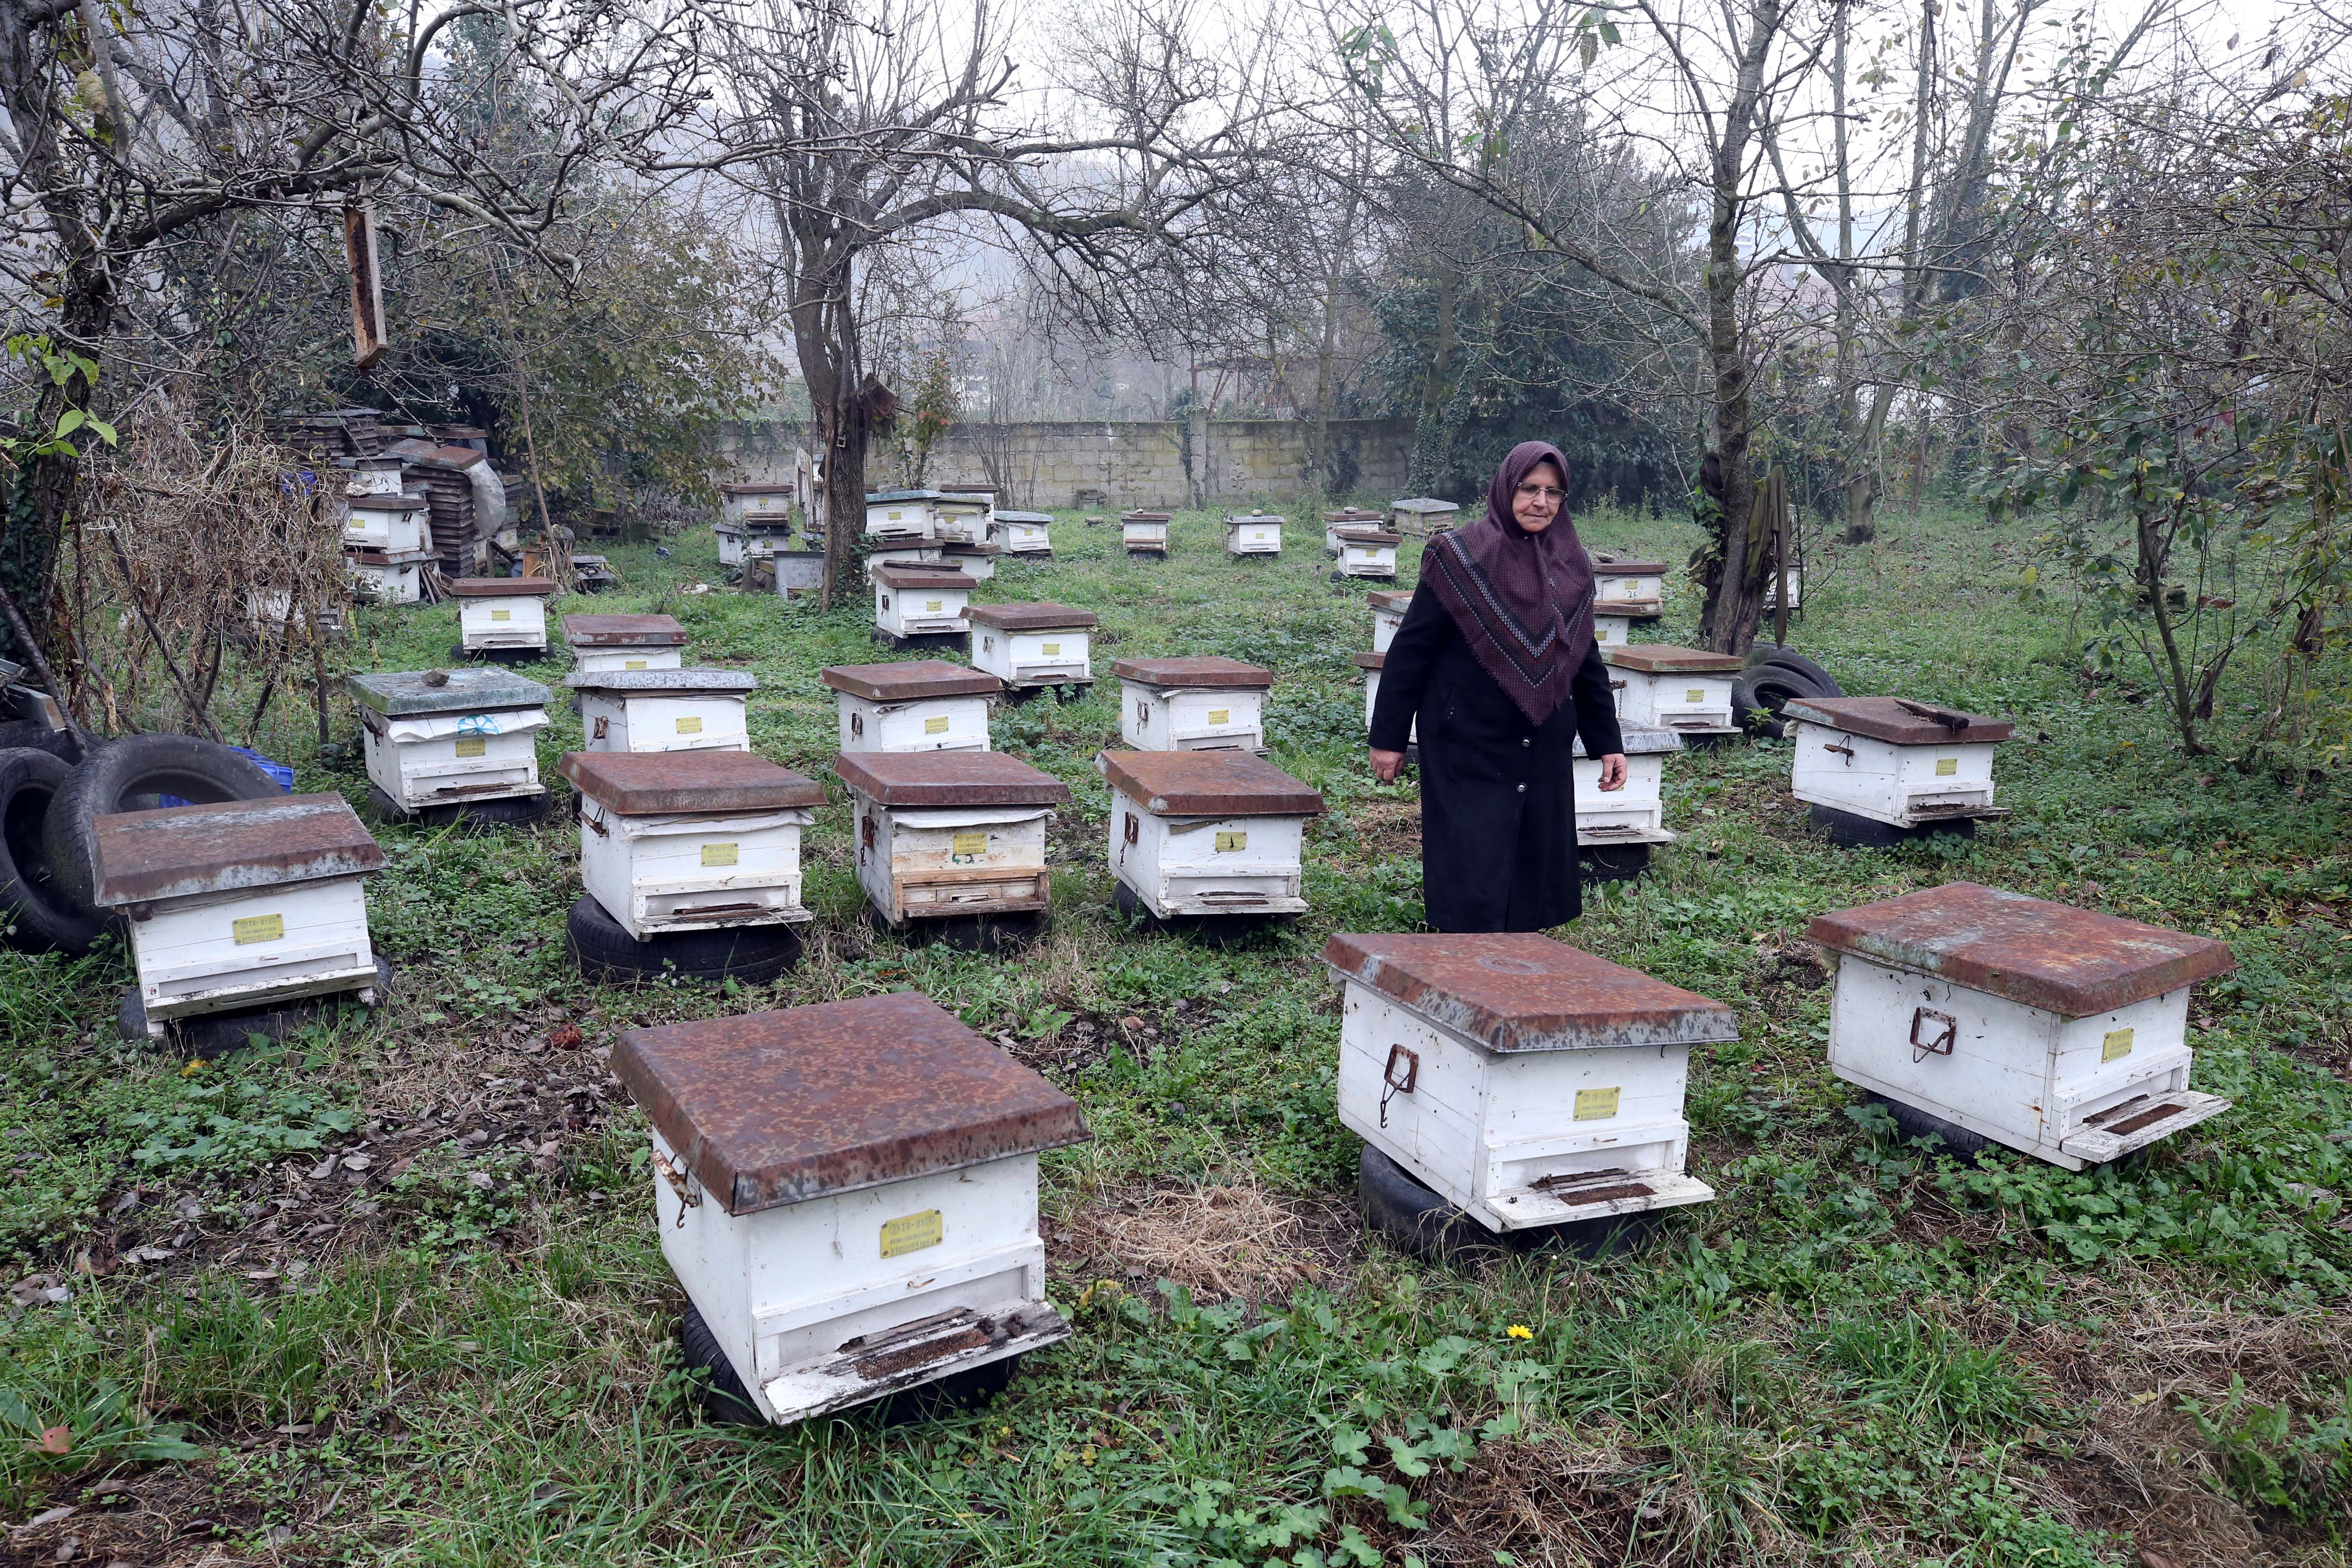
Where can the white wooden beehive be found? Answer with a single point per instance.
(1208, 833)
(1372, 664)
(397, 524)
(1369, 552)
(905, 517)
(1023, 533)
(1796, 590)
(469, 735)
(921, 601)
(1388, 614)
(904, 555)
(696, 842)
(1345, 517)
(765, 506)
(1686, 689)
(848, 1194)
(1637, 813)
(2060, 1032)
(385, 582)
(1203, 704)
(242, 904)
(977, 562)
(1907, 764)
(961, 518)
(1632, 588)
(496, 614)
(1612, 631)
(373, 476)
(664, 709)
(942, 835)
(1034, 644)
(918, 705)
(601, 643)
(1523, 1081)
(1144, 532)
(1253, 533)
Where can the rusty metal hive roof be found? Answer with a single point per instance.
(911, 681)
(947, 779)
(1201, 671)
(501, 587)
(1033, 617)
(2074, 962)
(1396, 600)
(772, 1109)
(1886, 719)
(1604, 568)
(1352, 514)
(1522, 992)
(1143, 516)
(1371, 660)
(655, 783)
(1238, 518)
(184, 850)
(406, 693)
(923, 577)
(1352, 535)
(1207, 783)
(1662, 658)
(623, 631)
(784, 487)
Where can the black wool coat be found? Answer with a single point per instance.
(1497, 796)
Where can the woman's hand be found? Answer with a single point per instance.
(1612, 771)
(1386, 766)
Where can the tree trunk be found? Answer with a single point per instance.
(1437, 381)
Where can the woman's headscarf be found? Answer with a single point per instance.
(1523, 600)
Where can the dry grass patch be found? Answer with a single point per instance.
(1234, 1239)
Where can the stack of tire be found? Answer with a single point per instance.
(1775, 677)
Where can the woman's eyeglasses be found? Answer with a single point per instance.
(1544, 492)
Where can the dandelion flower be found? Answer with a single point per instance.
(1520, 1331)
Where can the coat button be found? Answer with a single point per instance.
(1526, 740)
(1522, 789)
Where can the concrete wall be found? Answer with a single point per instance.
(1121, 463)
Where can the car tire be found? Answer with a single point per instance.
(37, 913)
(119, 775)
(1915, 1123)
(724, 1399)
(505, 811)
(31, 736)
(750, 956)
(1418, 1221)
(1824, 684)
(211, 1036)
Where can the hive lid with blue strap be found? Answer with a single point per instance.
(411, 693)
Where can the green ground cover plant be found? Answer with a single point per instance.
(390, 1292)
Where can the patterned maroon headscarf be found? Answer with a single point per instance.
(1523, 600)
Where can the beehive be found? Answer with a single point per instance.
(977, 562)
(1253, 533)
(1023, 533)
(797, 571)
(920, 705)
(1904, 764)
(765, 506)
(1686, 689)
(697, 842)
(1523, 1081)
(905, 555)
(1796, 590)
(1034, 644)
(912, 602)
(961, 518)
(379, 476)
(242, 904)
(502, 615)
(1632, 588)
(1636, 813)
(1345, 517)
(394, 524)
(1144, 532)
(380, 578)
(848, 1194)
(949, 834)
(1421, 515)
(470, 736)
(1204, 704)
(1369, 552)
(758, 539)
(2060, 1032)
(903, 516)
(1612, 631)
(1372, 664)
(1208, 833)
(664, 709)
(1388, 614)
(624, 642)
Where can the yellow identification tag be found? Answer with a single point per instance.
(934, 606)
(719, 854)
(258, 928)
(1053, 650)
(632, 664)
(691, 725)
(2114, 1045)
(1229, 842)
(1596, 1104)
(502, 615)
(911, 1233)
(1221, 715)
(1946, 766)
(1600, 636)
(972, 844)
(895, 516)
(937, 726)
(472, 746)
(1695, 694)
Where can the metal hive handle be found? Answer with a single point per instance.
(1938, 1044)
(1391, 1084)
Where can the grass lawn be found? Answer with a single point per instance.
(392, 1292)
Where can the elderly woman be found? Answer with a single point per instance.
(1496, 661)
